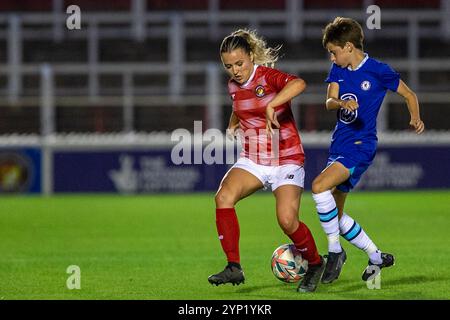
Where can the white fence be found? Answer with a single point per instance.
(293, 23)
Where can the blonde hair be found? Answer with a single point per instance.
(250, 42)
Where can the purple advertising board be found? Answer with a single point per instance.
(131, 172)
(152, 171)
(394, 168)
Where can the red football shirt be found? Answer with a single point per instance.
(249, 105)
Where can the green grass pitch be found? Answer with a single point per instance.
(165, 246)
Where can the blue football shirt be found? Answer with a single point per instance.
(367, 84)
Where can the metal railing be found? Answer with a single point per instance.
(293, 24)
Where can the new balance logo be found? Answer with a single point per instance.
(290, 176)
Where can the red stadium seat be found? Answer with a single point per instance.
(119, 5)
(177, 5)
(25, 5)
(47, 5)
(410, 4)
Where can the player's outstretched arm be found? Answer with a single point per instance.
(413, 106)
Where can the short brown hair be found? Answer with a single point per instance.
(343, 30)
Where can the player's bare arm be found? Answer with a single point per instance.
(292, 89)
(333, 101)
(413, 106)
(233, 124)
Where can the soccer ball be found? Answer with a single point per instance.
(288, 264)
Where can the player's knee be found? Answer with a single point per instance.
(224, 199)
(318, 187)
(288, 224)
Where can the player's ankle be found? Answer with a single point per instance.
(234, 264)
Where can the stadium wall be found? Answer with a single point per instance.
(132, 168)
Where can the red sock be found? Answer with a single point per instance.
(228, 230)
(304, 242)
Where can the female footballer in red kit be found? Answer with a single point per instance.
(272, 153)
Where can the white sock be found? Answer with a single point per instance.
(328, 214)
(353, 233)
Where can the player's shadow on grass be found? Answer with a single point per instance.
(408, 280)
(259, 290)
(252, 289)
(414, 280)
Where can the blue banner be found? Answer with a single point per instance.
(394, 168)
(152, 171)
(131, 172)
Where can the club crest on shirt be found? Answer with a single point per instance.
(259, 91)
(365, 85)
(347, 116)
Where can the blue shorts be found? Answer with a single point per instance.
(356, 168)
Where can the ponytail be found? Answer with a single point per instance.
(250, 42)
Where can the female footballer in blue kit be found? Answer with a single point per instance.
(357, 85)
